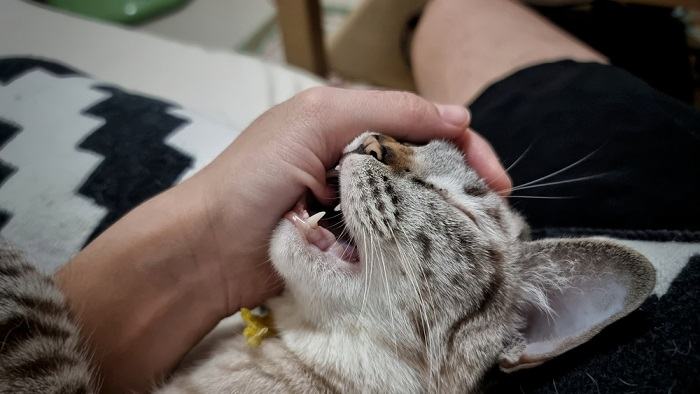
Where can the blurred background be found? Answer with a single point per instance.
(365, 42)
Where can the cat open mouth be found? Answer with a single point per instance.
(325, 231)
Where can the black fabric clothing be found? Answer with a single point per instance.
(626, 164)
(640, 149)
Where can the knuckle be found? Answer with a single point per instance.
(313, 100)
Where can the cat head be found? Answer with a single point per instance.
(437, 269)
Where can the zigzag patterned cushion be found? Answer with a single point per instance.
(76, 154)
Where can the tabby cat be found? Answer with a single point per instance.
(421, 281)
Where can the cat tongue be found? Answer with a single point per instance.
(315, 234)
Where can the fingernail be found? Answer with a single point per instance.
(455, 115)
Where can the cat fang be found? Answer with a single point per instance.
(310, 227)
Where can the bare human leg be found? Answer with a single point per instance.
(463, 46)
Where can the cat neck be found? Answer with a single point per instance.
(350, 353)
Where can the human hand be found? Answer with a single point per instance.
(287, 151)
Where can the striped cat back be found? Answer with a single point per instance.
(41, 349)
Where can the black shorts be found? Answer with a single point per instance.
(612, 155)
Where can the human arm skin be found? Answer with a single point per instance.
(152, 285)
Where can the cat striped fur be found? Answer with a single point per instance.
(41, 350)
(436, 283)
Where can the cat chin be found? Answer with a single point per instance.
(317, 284)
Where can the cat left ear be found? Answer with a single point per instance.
(598, 282)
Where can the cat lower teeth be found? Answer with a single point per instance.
(337, 208)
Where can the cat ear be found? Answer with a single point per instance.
(586, 284)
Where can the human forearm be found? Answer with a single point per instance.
(141, 295)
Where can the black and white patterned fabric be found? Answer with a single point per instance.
(76, 154)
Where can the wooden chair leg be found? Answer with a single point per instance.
(302, 34)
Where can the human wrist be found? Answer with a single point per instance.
(138, 295)
(186, 227)
(236, 230)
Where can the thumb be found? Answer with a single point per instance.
(342, 114)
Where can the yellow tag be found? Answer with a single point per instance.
(257, 327)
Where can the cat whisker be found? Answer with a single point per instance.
(262, 246)
(263, 263)
(513, 164)
(426, 320)
(522, 155)
(403, 260)
(546, 197)
(335, 226)
(334, 215)
(333, 198)
(580, 179)
(271, 278)
(572, 165)
(390, 304)
(368, 271)
(342, 232)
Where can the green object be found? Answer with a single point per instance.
(122, 11)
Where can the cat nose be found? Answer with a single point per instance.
(387, 151)
(371, 146)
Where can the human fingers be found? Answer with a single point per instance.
(340, 115)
